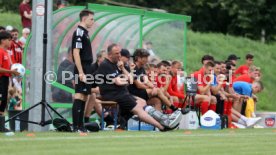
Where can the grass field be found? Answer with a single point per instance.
(195, 142)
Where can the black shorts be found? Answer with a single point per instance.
(4, 86)
(142, 93)
(81, 87)
(126, 102)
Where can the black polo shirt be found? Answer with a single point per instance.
(138, 74)
(108, 71)
(94, 67)
(81, 41)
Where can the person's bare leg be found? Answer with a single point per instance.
(201, 98)
(236, 113)
(155, 102)
(98, 108)
(160, 95)
(237, 105)
(234, 118)
(163, 98)
(90, 104)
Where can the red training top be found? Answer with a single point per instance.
(244, 78)
(173, 89)
(243, 69)
(4, 62)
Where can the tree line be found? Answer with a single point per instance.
(254, 19)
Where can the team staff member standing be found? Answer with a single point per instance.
(82, 56)
(5, 72)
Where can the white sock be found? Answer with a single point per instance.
(240, 121)
(244, 118)
(148, 108)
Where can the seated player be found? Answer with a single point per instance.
(204, 81)
(142, 86)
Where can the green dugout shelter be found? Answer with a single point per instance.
(128, 27)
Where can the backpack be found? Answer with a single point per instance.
(62, 125)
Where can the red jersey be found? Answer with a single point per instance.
(230, 82)
(160, 81)
(173, 89)
(244, 78)
(201, 79)
(4, 62)
(201, 70)
(26, 22)
(16, 52)
(243, 69)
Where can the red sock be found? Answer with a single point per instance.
(229, 107)
(204, 107)
(177, 104)
(213, 107)
(225, 106)
(229, 113)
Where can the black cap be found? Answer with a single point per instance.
(125, 53)
(233, 57)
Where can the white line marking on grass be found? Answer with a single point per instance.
(135, 136)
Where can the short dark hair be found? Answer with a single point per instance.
(14, 30)
(161, 64)
(110, 47)
(140, 53)
(5, 35)
(210, 64)
(2, 28)
(217, 62)
(207, 57)
(166, 63)
(249, 56)
(176, 62)
(85, 13)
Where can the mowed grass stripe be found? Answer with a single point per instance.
(153, 135)
(142, 143)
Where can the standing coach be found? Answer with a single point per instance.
(82, 56)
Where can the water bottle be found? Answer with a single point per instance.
(133, 124)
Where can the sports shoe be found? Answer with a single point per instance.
(81, 130)
(252, 121)
(175, 118)
(170, 129)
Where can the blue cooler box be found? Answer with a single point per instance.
(133, 125)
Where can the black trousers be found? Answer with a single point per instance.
(220, 105)
(4, 86)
